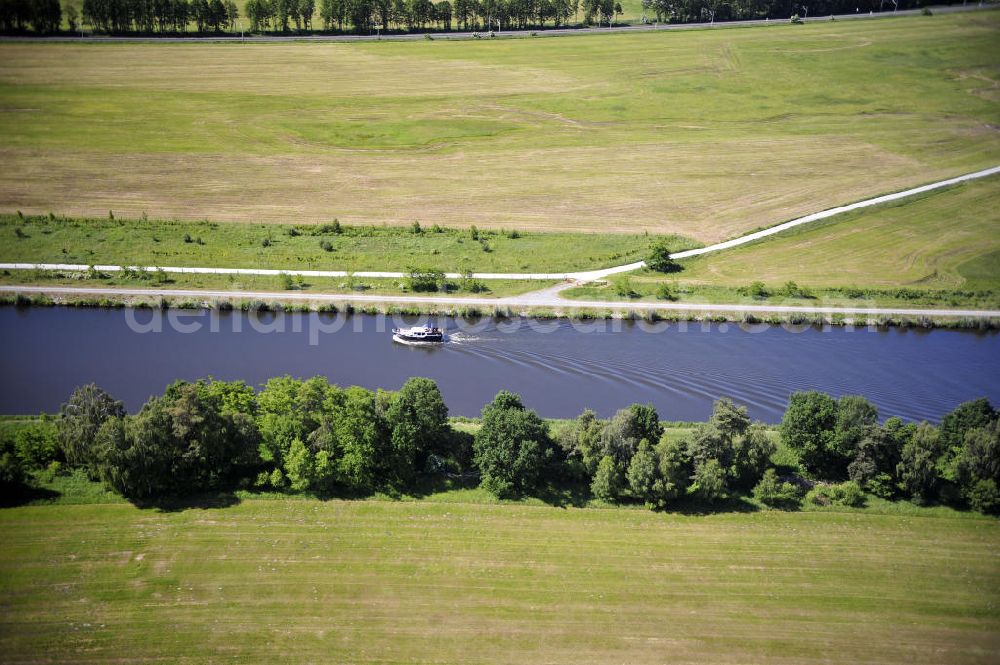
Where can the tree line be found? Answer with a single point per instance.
(311, 436)
(41, 16)
(366, 16)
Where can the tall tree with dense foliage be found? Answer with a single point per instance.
(511, 448)
(419, 420)
(362, 439)
(608, 480)
(581, 443)
(741, 449)
(709, 481)
(877, 457)
(917, 468)
(289, 409)
(80, 418)
(856, 417)
(979, 467)
(751, 456)
(675, 470)
(972, 415)
(621, 435)
(808, 428)
(643, 473)
(968, 415)
(192, 438)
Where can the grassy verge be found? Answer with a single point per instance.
(51, 239)
(374, 581)
(794, 321)
(644, 287)
(494, 288)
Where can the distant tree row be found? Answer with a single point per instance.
(706, 11)
(365, 16)
(42, 16)
(311, 436)
(159, 16)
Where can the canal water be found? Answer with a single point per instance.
(559, 367)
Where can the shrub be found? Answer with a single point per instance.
(756, 290)
(415, 227)
(37, 445)
(659, 258)
(324, 229)
(623, 287)
(266, 242)
(845, 494)
(326, 245)
(424, 279)
(12, 472)
(772, 492)
(984, 497)
(709, 481)
(286, 281)
(473, 285)
(793, 290)
(882, 485)
(667, 292)
(293, 232)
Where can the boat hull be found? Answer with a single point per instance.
(403, 339)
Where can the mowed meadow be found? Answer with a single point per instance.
(946, 239)
(706, 134)
(369, 581)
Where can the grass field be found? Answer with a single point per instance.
(377, 582)
(948, 239)
(231, 245)
(941, 248)
(612, 133)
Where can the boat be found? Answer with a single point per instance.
(418, 334)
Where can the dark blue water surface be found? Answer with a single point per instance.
(559, 368)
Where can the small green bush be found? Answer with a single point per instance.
(623, 287)
(667, 292)
(756, 290)
(845, 494)
(37, 445)
(984, 497)
(776, 493)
